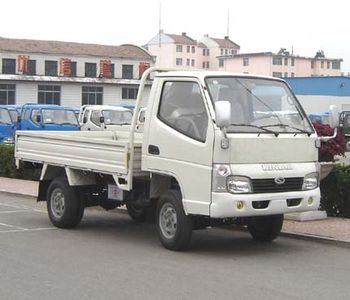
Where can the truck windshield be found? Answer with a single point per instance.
(115, 117)
(259, 105)
(5, 116)
(59, 116)
(14, 115)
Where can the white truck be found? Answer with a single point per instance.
(103, 117)
(207, 156)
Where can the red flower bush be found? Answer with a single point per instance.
(331, 148)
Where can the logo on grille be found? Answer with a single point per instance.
(280, 180)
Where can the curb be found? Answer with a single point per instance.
(26, 195)
(316, 238)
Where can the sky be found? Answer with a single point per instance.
(256, 25)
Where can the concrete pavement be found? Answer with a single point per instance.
(328, 230)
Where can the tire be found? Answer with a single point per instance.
(265, 228)
(137, 213)
(64, 206)
(174, 227)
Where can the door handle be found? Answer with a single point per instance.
(152, 149)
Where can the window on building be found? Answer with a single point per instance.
(336, 65)
(322, 64)
(191, 119)
(286, 61)
(50, 68)
(188, 62)
(192, 62)
(221, 62)
(188, 49)
(203, 64)
(233, 51)
(312, 64)
(226, 51)
(179, 61)
(92, 95)
(204, 52)
(73, 68)
(328, 64)
(112, 71)
(8, 66)
(285, 74)
(127, 71)
(90, 70)
(245, 61)
(129, 93)
(207, 64)
(292, 62)
(31, 67)
(277, 74)
(7, 94)
(277, 60)
(221, 51)
(208, 52)
(292, 74)
(193, 49)
(178, 48)
(49, 94)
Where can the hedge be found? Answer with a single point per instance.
(8, 167)
(335, 192)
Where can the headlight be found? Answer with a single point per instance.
(311, 181)
(220, 173)
(9, 140)
(238, 184)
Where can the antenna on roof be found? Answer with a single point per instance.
(160, 24)
(228, 22)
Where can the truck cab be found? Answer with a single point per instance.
(48, 117)
(8, 123)
(104, 117)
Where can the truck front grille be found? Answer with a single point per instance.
(268, 185)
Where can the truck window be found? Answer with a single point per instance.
(182, 108)
(95, 117)
(35, 112)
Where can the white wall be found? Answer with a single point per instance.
(321, 103)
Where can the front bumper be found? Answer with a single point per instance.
(224, 205)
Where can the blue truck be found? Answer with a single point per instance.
(48, 117)
(8, 123)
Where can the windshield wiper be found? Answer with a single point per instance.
(286, 125)
(259, 127)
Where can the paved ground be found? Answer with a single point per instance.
(110, 257)
(332, 229)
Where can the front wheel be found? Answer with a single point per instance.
(265, 228)
(64, 206)
(174, 226)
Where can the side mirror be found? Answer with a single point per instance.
(102, 119)
(333, 116)
(223, 113)
(19, 119)
(38, 118)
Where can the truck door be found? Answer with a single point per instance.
(180, 141)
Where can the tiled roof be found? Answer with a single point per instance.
(68, 48)
(201, 45)
(182, 39)
(226, 43)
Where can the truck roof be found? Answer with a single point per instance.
(202, 74)
(104, 107)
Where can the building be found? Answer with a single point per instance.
(216, 48)
(316, 94)
(183, 52)
(71, 74)
(281, 64)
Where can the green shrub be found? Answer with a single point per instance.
(8, 167)
(335, 192)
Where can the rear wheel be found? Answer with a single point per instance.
(64, 206)
(137, 213)
(265, 228)
(174, 227)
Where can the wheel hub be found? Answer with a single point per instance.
(57, 203)
(168, 221)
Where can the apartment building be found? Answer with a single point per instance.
(281, 64)
(183, 52)
(72, 74)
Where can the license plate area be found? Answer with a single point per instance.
(115, 193)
